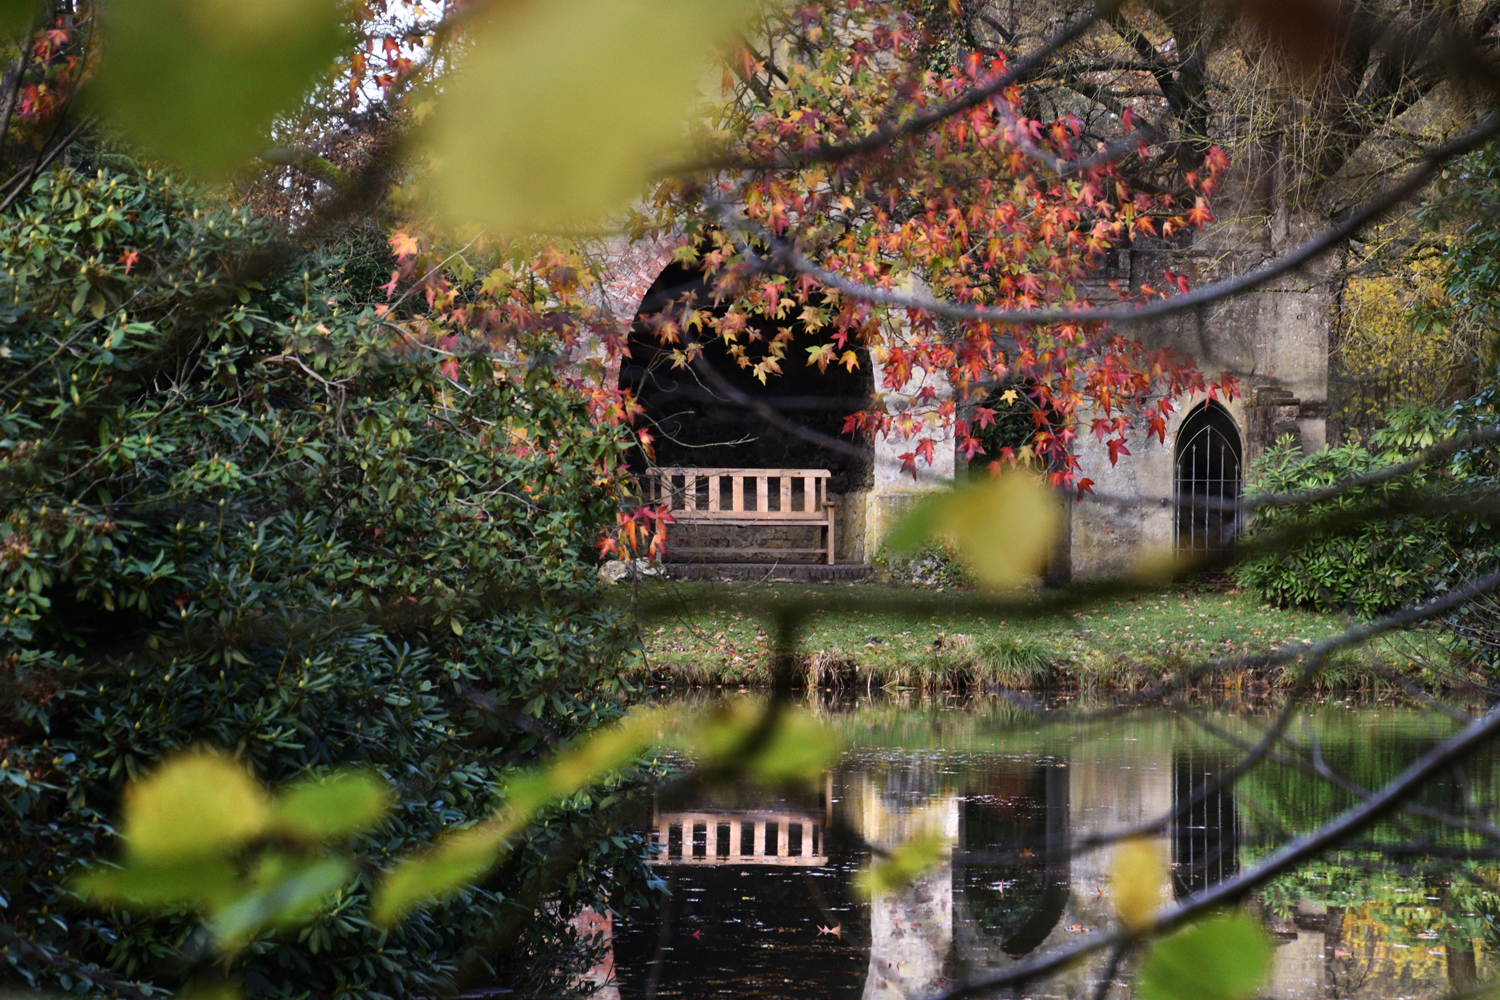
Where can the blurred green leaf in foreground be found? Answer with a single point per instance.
(1003, 528)
(559, 112)
(201, 832)
(1225, 957)
(199, 82)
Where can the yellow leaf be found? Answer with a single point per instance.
(1008, 396)
(1138, 881)
(1003, 528)
(195, 805)
(898, 868)
(560, 111)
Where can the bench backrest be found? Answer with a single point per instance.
(761, 494)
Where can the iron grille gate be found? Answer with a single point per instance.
(1208, 483)
(1205, 824)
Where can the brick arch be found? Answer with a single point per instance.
(630, 269)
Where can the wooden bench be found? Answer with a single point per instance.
(745, 497)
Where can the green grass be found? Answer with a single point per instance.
(1111, 643)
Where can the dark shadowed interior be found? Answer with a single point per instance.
(695, 425)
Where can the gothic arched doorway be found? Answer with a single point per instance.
(1209, 469)
(1016, 896)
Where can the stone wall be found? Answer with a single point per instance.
(1274, 340)
(893, 489)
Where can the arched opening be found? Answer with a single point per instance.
(711, 429)
(695, 424)
(1209, 464)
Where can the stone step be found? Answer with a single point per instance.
(798, 572)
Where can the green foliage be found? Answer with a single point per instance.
(1350, 560)
(239, 513)
(1224, 957)
(200, 81)
(1466, 204)
(1010, 428)
(1375, 548)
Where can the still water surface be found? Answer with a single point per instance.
(760, 898)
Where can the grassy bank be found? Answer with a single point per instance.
(1110, 643)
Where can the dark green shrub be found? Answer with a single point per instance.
(235, 513)
(1347, 560)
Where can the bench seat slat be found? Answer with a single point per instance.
(699, 549)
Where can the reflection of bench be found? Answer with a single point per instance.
(745, 497)
(688, 838)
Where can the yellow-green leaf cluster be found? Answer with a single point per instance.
(201, 832)
(559, 112)
(461, 857)
(1003, 528)
(796, 748)
(901, 866)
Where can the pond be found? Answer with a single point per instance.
(760, 895)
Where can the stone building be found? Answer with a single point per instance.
(1275, 339)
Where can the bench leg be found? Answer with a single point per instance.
(829, 511)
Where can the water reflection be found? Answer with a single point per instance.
(761, 897)
(1206, 838)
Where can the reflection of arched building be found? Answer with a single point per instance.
(911, 929)
(1207, 481)
(762, 896)
(1206, 827)
(756, 898)
(1011, 871)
